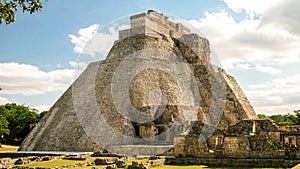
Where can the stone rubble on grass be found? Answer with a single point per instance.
(110, 163)
(105, 161)
(77, 157)
(6, 162)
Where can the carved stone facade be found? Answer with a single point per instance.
(248, 141)
(153, 24)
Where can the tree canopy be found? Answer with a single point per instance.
(3, 122)
(16, 121)
(289, 119)
(8, 9)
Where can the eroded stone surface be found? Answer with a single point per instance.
(151, 86)
(6, 162)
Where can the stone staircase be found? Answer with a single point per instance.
(139, 150)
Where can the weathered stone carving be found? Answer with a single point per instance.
(157, 99)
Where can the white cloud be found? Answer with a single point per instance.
(251, 6)
(280, 95)
(249, 40)
(78, 65)
(246, 66)
(85, 35)
(29, 80)
(41, 108)
(3, 101)
(267, 69)
(286, 15)
(91, 42)
(278, 109)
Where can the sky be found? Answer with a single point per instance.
(256, 41)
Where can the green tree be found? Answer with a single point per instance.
(9, 8)
(43, 114)
(3, 124)
(297, 114)
(288, 119)
(20, 120)
(262, 116)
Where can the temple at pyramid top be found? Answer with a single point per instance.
(153, 23)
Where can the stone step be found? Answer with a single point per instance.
(139, 150)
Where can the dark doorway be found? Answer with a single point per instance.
(161, 133)
(137, 130)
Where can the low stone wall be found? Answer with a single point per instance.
(279, 154)
(234, 162)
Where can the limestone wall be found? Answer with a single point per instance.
(152, 24)
(137, 20)
(241, 98)
(255, 126)
(140, 150)
(59, 129)
(260, 163)
(195, 49)
(177, 30)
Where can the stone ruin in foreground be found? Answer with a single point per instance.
(157, 91)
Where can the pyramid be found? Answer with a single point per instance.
(156, 81)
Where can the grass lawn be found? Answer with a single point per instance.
(7, 148)
(90, 167)
(127, 163)
(180, 167)
(58, 163)
(199, 167)
(296, 167)
(84, 167)
(62, 162)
